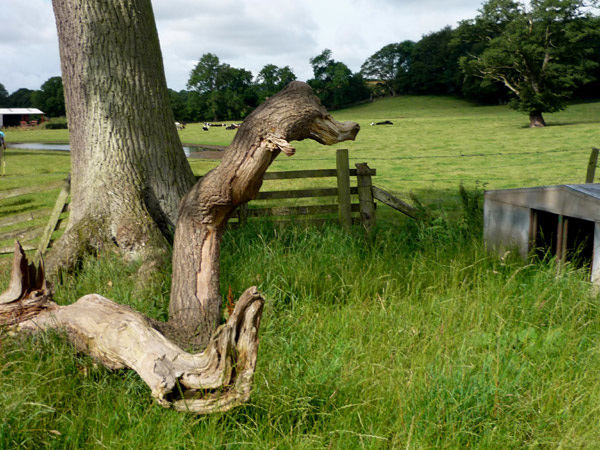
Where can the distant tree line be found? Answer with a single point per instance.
(532, 55)
(49, 98)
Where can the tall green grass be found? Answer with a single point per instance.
(410, 337)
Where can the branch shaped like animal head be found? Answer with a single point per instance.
(295, 114)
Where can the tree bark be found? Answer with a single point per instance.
(536, 120)
(292, 115)
(128, 168)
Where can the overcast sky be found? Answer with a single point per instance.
(243, 33)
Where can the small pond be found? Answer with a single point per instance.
(190, 151)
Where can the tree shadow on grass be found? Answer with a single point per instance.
(553, 123)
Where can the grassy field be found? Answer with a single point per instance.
(412, 337)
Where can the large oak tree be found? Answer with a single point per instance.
(537, 50)
(128, 168)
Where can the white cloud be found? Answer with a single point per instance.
(28, 44)
(243, 33)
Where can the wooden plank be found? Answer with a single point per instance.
(394, 202)
(301, 193)
(365, 196)
(59, 206)
(11, 248)
(354, 172)
(317, 173)
(296, 210)
(29, 190)
(242, 212)
(560, 229)
(343, 184)
(310, 221)
(25, 234)
(24, 217)
(593, 162)
(291, 174)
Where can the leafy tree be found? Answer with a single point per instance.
(3, 95)
(203, 77)
(434, 67)
(467, 42)
(591, 88)
(21, 98)
(178, 102)
(538, 52)
(334, 83)
(271, 79)
(220, 91)
(234, 97)
(389, 65)
(50, 98)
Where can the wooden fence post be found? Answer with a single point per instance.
(591, 170)
(343, 186)
(242, 213)
(365, 195)
(55, 216)
(2, 159)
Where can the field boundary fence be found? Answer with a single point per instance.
(349, 203)
(35, 237)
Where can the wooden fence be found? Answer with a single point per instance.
(347, 203)
(339, 206)
(34, 237)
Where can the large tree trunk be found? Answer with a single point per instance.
(536, 120)
(129, 170)
(221, 376)
(293, 114)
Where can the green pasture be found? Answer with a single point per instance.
(411, 337)
(434, 145)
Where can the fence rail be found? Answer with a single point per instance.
(341, 196)
(36, 236)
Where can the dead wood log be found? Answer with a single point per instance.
(118, 337)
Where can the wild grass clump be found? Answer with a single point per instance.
(411, 336)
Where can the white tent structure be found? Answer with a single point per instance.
(14, 116)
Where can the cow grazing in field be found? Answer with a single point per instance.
(180, 125)
(385, 122)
